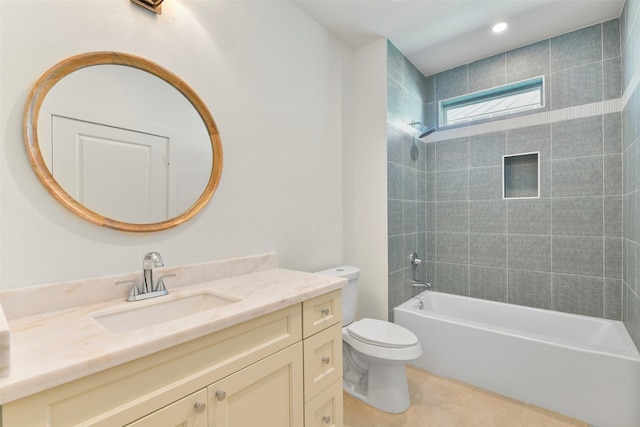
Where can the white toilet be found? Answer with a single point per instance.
(373, 352)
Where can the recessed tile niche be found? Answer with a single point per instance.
(521, 176)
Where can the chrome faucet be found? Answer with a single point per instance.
(150, 260)
(147, 288)
(415, 261)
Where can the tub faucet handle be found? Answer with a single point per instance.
(414, 259)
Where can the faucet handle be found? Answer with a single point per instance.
(161, 286)
(413, 258)
(133, 293)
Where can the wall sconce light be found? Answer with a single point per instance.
(152, 5)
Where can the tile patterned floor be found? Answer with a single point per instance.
(441, 402)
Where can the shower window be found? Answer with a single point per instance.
(498, 101)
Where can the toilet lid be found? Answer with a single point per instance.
(381, 333)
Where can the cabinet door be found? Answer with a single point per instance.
(190, 411)
(265, 394)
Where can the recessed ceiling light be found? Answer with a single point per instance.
(499, 27)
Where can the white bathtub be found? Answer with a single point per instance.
(580, 366)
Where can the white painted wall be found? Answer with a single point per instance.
(365, 183)
(276, 83)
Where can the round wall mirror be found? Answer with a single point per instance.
(122, 142)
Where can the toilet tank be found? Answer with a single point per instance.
(349, 293)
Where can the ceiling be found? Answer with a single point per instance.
(437, 35)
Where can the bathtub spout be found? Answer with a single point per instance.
(425, 285)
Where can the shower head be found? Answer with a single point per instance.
(424, 131)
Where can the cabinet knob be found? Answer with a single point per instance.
(221, 395)
(326, 360)
(326, 419)
(325, 311)
(200, 407)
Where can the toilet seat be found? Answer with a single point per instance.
(369, 338)
(381, 333)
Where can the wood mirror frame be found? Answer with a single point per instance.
(68, 66)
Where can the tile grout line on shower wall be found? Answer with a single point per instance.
(553, 300)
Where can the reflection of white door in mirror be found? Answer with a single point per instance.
(122, 173)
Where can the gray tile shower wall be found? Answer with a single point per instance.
(407, 89)
(563, 250)
(406, 183)
(630, 126)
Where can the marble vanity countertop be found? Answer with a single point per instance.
(54, 347)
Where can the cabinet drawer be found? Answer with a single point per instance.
(325, 410)
(321, 312)
(322, 360)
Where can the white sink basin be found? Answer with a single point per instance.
(150, 313)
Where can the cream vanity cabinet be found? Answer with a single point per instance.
(322, 332)
(281, 369)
